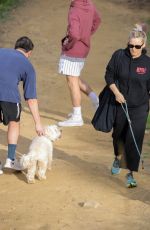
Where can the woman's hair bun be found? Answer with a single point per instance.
(140, 27)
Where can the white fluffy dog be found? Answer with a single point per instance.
(39, 157)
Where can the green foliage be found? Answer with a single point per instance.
(148, 122)
(148, 34)
(6, 6)
(148, 38)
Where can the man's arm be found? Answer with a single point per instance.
(30, 96)
(33, 106)
(73, 32)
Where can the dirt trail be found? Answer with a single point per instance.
(82, 158)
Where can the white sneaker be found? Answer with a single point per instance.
(12, 164)
(72, 121)
(1, 171)
(70, 115)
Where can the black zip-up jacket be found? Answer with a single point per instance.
(133, 76)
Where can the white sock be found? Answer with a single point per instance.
(77, 111)
(93, 97)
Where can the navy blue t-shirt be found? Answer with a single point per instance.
(15, 67)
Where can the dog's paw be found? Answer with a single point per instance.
(42, 177)
(31, 181)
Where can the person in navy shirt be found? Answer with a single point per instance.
(15, 67)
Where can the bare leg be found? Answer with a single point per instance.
(13, 132)
(84, 87)
(76, 116)
(75, 93)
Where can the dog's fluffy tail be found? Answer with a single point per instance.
(27, 159)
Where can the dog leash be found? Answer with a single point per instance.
(125, 109)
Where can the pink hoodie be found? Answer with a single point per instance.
(83, 21)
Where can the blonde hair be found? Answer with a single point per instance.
(139, 31)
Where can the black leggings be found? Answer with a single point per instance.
(122, 138)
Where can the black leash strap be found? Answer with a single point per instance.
(125, 109)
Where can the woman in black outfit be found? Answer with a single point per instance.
(133, 77)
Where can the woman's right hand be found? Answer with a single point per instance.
(120, 98)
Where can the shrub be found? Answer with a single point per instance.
(6, 6)
(148, 122)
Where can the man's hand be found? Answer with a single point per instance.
(33, 106)
(39, 129)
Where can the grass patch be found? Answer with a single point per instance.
(148, 33)
(146, 155)
(6, 6)
(148, 38)
(148, 122)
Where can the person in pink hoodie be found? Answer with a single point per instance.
(83, 21)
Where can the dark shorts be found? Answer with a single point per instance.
(9, 112)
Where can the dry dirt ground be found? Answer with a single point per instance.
(83, 157)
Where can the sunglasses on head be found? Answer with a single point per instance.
(130, 46)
